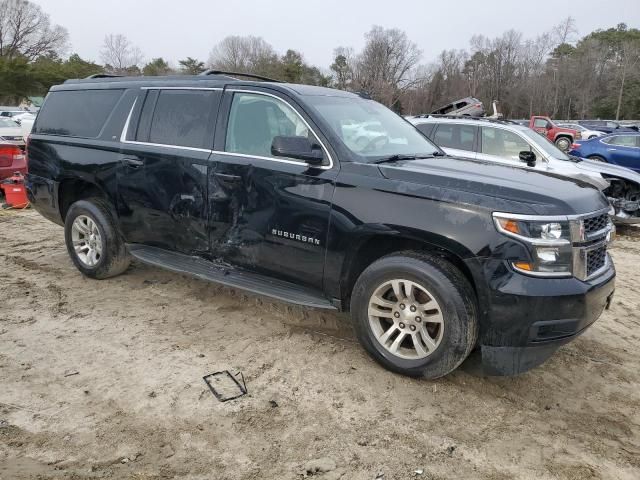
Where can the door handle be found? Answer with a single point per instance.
(225, 177)
(132, 162)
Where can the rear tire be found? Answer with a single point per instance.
(395, 335)
(93, 240)
(563, 143)
(597, 158)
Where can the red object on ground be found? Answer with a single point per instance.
(14, 191)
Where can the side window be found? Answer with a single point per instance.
(181, 118)
(623, 140)
(425, 128)
(460, 137)
(76, 113)
(540, 123)
(502, 143)
(255, 120)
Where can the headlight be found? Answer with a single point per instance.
(549, 241)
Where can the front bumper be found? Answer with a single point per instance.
(529, 318)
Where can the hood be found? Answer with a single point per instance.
(608, 169)
(576, 171)
(11, 131)
(498, 186)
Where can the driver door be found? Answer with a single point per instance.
(503, 146)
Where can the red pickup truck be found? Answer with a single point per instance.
(562, 137)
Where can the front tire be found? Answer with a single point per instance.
(93, 240)
(415, 314)
(597, 158)
(563, 143)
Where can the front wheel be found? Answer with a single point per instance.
(563, 143)
(415, 314)
(597, 158)
(93, 240)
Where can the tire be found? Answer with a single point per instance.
(592, 137)
(91, 223)
(597, 158)
(563, 143)
(433, 279)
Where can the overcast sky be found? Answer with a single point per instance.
(176, 29)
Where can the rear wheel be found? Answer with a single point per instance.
(93, 240)
(597, 158)
(563, 143)
(415, 314)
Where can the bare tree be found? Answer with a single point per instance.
(629, 58)
(120, 55)
(26, 31)
(243, 54)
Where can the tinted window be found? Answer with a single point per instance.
(77, 113)
(254, 121)
(181, 117)
(622, 140)
(460, 137)
(502, 143)
(426, 128)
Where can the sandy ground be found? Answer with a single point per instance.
(104, 380)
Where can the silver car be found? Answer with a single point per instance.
(508, 143)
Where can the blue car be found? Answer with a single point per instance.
(617, 148)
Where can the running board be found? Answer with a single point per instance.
(251, 282)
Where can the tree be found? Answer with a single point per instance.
(26, 31)
(120, 55)
(244, 54)
(156, 67)
(342, 67)
(191, 66)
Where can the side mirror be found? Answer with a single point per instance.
(299, 148)
(548, 126)
(528, 157)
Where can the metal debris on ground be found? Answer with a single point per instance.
(225, 386)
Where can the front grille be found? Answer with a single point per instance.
(596, 259)
(595, 224)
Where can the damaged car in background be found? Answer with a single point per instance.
(507, 142)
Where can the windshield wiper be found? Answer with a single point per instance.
(395, 158)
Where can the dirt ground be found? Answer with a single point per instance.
(103, 379)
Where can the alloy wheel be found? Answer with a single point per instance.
(87, 241)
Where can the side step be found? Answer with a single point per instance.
(251, 282)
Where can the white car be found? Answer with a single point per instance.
(11, 132)
(586, 133)
(509, 143)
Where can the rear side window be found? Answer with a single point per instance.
(76, 113)
(180, 118)
(460, 137)
(622, 140)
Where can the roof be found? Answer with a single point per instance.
(206, 81)
(466, 120)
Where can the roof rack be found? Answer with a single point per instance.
(102, 75)
(468, 117)
(249, 75)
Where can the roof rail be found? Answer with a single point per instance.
(102, 75)
(468, 117)
(249, 75)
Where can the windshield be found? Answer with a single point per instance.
(7, 123)
(370, 130)
(545, 145)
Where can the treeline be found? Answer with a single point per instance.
(556, 73)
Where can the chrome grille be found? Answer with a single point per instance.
(595, 224)
(596, 259)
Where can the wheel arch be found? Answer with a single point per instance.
(72, 189)
(369, 248)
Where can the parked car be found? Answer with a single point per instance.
(253, 185)
(12, 160)
(605, 126)
(10, 132)
(10, 112)
(561, 136)
(465, 107)
(504, 142)
(585, 133)
(617, 148)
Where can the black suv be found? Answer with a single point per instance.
(326, 199)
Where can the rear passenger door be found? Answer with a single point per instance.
(269, 214)
(164, 165)
(456, 139)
